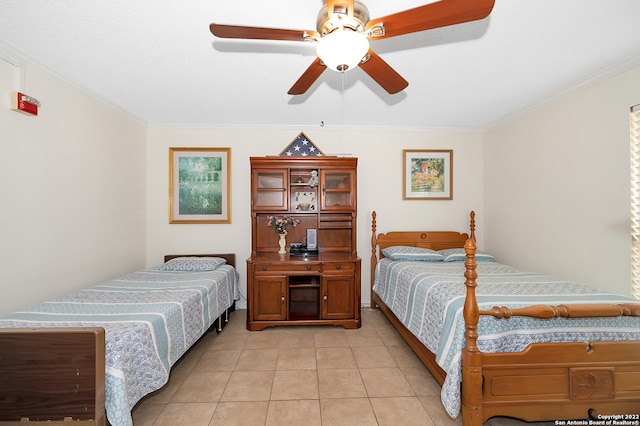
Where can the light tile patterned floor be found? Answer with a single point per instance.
(307, 376)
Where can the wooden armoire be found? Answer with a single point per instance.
(304, 287)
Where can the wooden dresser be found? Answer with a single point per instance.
(298, 288)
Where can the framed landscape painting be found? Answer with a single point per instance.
(199, 185)
(427, 175)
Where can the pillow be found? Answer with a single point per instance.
(193, 264)
(411, 253)
(455, 254)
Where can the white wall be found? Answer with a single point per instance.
(72, 190)
(379, 153)
(557, 186)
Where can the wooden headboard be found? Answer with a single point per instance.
(229, 257)
(435, 240)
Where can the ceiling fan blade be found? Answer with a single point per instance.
(433, 15)
(383, 74)
(343, 7)
(307, 78)
(258, 33)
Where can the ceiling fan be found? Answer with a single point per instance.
(344, 30)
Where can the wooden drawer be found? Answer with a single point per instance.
(287, 267)
(335, 221)
(338, 267)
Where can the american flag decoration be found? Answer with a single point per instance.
(301, 146)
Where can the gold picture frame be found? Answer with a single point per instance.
(199, 185)
(427, 174)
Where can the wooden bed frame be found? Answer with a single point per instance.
(56, 376)
(546, 381)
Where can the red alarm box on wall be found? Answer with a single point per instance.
(24, 103)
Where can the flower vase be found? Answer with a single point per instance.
(283, 244)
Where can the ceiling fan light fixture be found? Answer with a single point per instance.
(342, 49)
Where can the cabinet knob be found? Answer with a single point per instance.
(338, 267)
(325, 297)
(282, 298)
(264, 267)
(308, 267)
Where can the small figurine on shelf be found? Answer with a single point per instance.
(313, 180)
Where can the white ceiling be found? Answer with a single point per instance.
(157, 60)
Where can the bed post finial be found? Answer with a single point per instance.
(373, 221)
(472, 224)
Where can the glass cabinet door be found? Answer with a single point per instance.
(337, 190)
(269, 189)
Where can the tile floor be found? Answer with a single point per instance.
(307, 376)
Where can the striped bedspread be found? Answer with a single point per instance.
(428, 298)
(151, 317)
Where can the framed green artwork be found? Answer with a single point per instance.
(199, 185)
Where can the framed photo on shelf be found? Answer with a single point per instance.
(199, 185)
(427, 174)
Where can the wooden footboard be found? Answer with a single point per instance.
(547, 381)
(52, 375)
